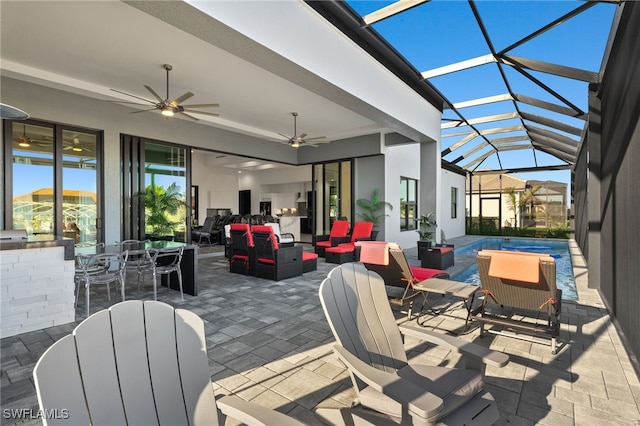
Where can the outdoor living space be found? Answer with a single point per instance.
(269, 343)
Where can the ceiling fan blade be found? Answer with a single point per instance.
(285, 136)
(317, 139)
(128, 103)
(302, 136)
(182, 98)
(193, 111)
(143, 110)
(201, 106)
(155, 95)
(133, 96)
(190, 116)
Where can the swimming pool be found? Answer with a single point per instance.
(557, 248)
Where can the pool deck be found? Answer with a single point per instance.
(269, 343)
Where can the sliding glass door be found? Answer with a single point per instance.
(333, 200)
(156, 189)
(52, 180)
(165, 178)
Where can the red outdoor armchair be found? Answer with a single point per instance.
(346, 249)
(389, 261)
(339, 229)
(241, 249)
(273, 261)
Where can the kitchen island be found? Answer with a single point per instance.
(291, 225)
(36, 279)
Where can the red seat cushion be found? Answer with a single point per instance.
(422, 274)
(266, 261)
(361, 230)
(342, 248)
(308, 256)
(339, 229)
(267, 230)
(443, 249)
(245, 228)
(323, 243)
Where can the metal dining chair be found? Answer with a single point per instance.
(165, 261)
(79, 275)
(138, 260)
(103, 268)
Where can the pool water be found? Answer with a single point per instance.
(556, 248)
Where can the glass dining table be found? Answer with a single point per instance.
(188, 266)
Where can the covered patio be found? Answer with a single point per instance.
(269, 343)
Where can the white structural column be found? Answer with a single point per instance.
(430, 182)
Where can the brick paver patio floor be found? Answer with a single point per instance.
(269, 342)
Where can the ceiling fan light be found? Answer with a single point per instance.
(77, 149)
(295, 144)
(24, 144)
(167, 112)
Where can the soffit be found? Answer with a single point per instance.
(91, 47)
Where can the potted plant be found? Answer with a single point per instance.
(373, 210)
(426, 221)
(160, 204)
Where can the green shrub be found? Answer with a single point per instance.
(488, 228)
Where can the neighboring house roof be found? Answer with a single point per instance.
(495, 183)
(549, 187)
(48, 193)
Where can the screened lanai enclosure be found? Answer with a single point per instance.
(513, 102)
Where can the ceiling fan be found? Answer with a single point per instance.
(169, 107)
(73, 145)
(298, 140)
(22, 139)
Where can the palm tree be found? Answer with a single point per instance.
(160, 203)
(516, 203)
(371, 206)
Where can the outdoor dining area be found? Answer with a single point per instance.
(108, 264)
(270, 343)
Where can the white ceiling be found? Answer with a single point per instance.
(90, 47)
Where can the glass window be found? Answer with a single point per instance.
(454, 202)
(33, 178)
(408, 203)
(79, 176)
(53, 177)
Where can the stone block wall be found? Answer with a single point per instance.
(36, 290)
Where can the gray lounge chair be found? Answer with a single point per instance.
(205, 231)
(518, 303)
(371, 346)
(396, 272)
(137, 363)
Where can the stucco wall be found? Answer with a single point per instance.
(53, 105)
(400, 161)
(452, 227)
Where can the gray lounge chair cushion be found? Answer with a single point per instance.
(454, 386)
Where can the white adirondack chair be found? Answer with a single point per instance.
(138, 363)
(370, 344)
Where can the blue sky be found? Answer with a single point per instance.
(442, 32)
